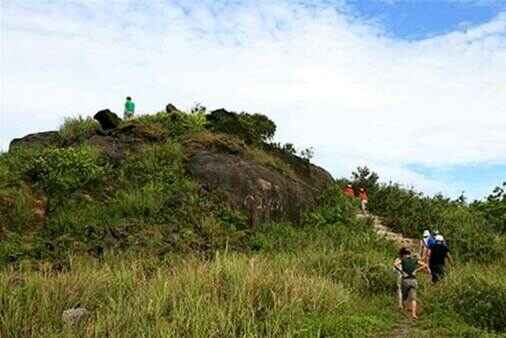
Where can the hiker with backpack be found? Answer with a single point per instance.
(439, 253)
(407, 266)
(425, 244)
(129, 108)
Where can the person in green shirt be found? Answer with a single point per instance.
(407, 266)
(129, 108)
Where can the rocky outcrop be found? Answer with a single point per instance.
(264, 193)
(107, 119)
(45, 139)
(170, 108)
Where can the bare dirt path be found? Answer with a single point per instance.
(394, 236)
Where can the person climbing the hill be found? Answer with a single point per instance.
(129, 108)
(407, 266)
(425, 245)
(439, 253)
(348, 191)
(363, 200)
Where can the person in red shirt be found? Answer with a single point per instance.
(348, 191)
(363, 200)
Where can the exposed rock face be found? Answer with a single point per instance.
(48, 138)
(107, 119)
(264, 193)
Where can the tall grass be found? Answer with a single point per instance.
(229, 296)
(78, 129)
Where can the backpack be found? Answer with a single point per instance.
(409, 265)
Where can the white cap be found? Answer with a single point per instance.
(426, 233)
(439, 238)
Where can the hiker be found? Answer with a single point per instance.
(425, 244)
(129, 108)
(439, 253)
(407, 266)
(363, 200)
(348, 191)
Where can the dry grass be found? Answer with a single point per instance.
(230, 296)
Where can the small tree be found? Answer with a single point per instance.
(307, 154)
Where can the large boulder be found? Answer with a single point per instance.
(263, 193)
(170, 108)
(107, 119)
(45, 139)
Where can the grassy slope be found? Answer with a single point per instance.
(197, 272)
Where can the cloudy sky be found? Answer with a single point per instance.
(415, 89)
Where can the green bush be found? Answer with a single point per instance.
(176, 124)
(468, 228)
(78, 129)
(158, 163)
(474, 293)
(333, 208)
(252, 128)
(60, 172)
(494, 209)
(15, 166)
(16, 209)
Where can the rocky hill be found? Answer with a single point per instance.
(222, 157)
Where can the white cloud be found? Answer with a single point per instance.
(328, 79)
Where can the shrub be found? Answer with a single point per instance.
(78, 129)
(494, 209)
(15, 166)
(252, 128)
(60, 172)
(467, 228)
(478, 295)
(333, 208)
(157, 163)
(16, 209)
(176, 124)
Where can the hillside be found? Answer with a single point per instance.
(194, 224)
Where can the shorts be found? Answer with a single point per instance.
(128, 115)
(409, 286)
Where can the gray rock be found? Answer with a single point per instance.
(262, 192)
(48, 138)
(170, 108)
(75, 316)
(107, 119)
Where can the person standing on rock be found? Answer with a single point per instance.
(363, 200)
(129, 108)
(407, 266)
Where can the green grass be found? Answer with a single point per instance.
(232, 295)
(78, 129)
(150, 254)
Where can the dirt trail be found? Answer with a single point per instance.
(394, 236)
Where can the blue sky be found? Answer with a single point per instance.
(415, 89)
(421, 19)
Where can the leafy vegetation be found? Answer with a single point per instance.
(77, 129)
(150, 253)
(252, 128)
(473, 230)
